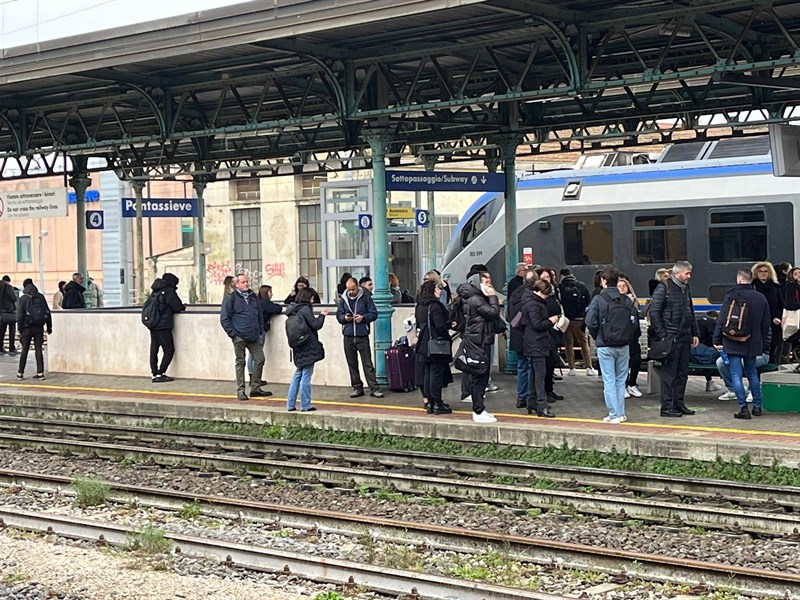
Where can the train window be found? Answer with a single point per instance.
(659, 239)
(474, 228)
(588, 240)
(737, 236)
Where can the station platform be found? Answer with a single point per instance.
(710, 434)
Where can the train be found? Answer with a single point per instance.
(714, 203)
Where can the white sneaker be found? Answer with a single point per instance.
(634, 391)
(492, 388)
(591, 372)
(728, 396)
(484, 417)
(467, 400)
(607, 418)
(749, 397)
(627, 394)
(572, 373)
(612, 420)
(623, 418)
(713, 386)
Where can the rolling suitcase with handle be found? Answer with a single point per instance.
(400, 367)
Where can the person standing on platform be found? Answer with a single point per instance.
(613, 321)
(33, 316)
(481, 308)
(301, 283)
(8, 315)
(575, 300)
(355, 311)
(526, 396)
(268, 309)
(625, 287)
(518, 279)
(538, 345)
(240, 317)
(367, 284)
(672, 316)
(431, 316)
(58, 297)
(743, 334)
(300, 320)
(791, 302)
(93, 296)
(165, 289)
(765, 281)
(73, 293)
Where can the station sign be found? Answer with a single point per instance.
(161, 207)
(445, 181)
(88, 196)
(365, 221)
(94, 219)
(33, 204)
(422, 218)
(400, 212)
(527, 255)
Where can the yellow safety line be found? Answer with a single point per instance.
(410, 408)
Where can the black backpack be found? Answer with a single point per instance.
(298, 333)
(619, 324)
(572, 299)
(36, 312)
(153, 310)
(736, 323)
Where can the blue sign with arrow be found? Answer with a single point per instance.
(445, 181)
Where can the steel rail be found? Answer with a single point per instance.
(315, 568)
(607, 505)
(534, 550)
(718, 490)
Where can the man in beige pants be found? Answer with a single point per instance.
(575, 300)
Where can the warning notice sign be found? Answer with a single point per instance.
(33, 204)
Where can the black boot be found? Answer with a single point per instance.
(440, 408)
(521, 403)
(742, 414)
(429, 407)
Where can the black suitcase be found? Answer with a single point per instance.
(400, 367)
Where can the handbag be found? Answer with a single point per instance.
(790, 323)
(661, 349)
(562, 324)
(437, 347)
(499, 326)
(516, 322)
(471, 358)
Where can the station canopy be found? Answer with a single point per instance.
(292, 86)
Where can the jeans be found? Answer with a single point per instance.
(614, 367)
(256, 349)
(575, 333)
(37, 335)
(523, 377)
(725, 370)
(161, 338)
(353, 348)
(300, 381)
(751, 371)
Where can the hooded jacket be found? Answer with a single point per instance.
(537, 340)
(73, 296)
(28, 293)
(312, 351)
(479, 310)
(240, 316)
(363, 305)
(167, 285)
(759, 320)
(8, 298)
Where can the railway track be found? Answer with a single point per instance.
(702, 503)
(539, 551)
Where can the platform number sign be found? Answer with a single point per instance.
(365, 221)
(422, 218)
(94, 219)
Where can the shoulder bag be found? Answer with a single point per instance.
(661, 349)
(437, 347)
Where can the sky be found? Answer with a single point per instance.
(31, 21)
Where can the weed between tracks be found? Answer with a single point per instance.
(90, 492)
(741, 470)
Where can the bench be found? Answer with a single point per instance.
(654, 373)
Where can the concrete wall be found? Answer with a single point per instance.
(114, 342)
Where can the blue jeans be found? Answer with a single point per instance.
(725, 370)
(751, 371)
(614, 368)
(523, 377)
(302, 381)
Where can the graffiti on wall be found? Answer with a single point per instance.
(217, 272)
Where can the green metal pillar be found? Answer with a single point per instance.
(378, 139)
(508, 150)
(80, 182)
(199, 185)
(429, 160)
(137, 185)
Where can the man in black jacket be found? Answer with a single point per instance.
(241, 318)
(33, 316)
(480, 309)
(355, 311)
(73, 293)
(742, 353)
(165, 289)
(525, 395)
(575, 299)
(8, 315)
(672, 316)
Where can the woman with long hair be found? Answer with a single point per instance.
(791, 301)
(307, 355)
(228, 285)
(635, 357)
(394, 288)
(342, 286)
(765, 280)
(433, 324)
(301, 283)
(553, 310)
(537, 341)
